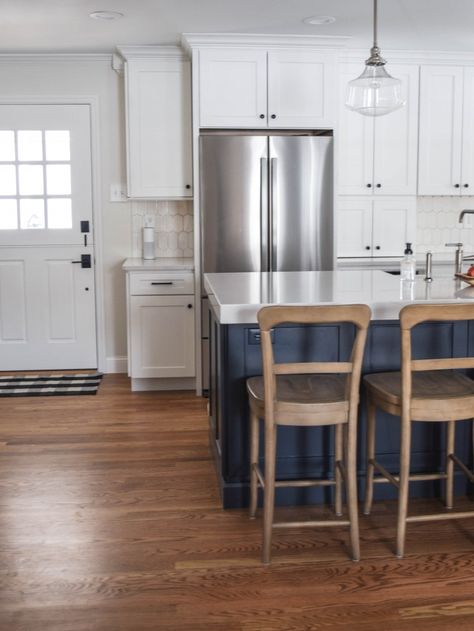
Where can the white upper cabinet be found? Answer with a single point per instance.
(233, 88)
(375, 226)
(253, 88)
(379, 155)
(444, 145)
(299, 90)
(158, 115)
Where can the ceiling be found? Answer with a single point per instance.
(65, 26)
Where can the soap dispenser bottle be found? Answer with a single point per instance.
(408, 264)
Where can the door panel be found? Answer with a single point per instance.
(232, 202)
(467, 178)
(301, 193)
(47, 306)
(354, 226)
(394, 224)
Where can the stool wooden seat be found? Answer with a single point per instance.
(424, 390)
(307, 394)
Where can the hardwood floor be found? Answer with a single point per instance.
(110, 521)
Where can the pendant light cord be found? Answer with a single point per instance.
(375, 24)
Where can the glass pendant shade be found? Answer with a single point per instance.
(374, 93)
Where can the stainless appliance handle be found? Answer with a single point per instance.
(272, 216)
(264, 214)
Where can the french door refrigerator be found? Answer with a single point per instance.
(266, 203)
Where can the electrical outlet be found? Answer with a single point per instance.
(118, 193)
(149, 221)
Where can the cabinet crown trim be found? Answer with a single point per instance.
(151, 52)
(213, 40)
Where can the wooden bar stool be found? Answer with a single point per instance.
(424, 390)
(307, 394)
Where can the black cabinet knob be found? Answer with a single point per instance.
(456, 186)
(367, 247)
(466, 185)
(369, 185)
(190, 306)
(274, 115)
(188, 185)
(262, 115)
(377, 247)
(378, 185)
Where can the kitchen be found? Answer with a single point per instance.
(403, 177)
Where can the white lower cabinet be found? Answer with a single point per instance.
(161, 325)
(369, 226)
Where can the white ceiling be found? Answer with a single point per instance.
(65, 26)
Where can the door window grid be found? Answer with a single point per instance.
(41, 202)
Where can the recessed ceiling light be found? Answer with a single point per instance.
(106, 15)
(320, 19)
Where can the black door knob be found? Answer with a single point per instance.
(369, 185)
(190, 306)
(274, 115)
(377, 247)
(378, 185)
(456, 186)
(188, 185)
(466, 185)
(367, 247)
(262, 115)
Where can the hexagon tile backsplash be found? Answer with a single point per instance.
(173, 221)
(437, 224)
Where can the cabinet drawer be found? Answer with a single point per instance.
(161, 283)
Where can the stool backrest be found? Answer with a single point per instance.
(412, 315)
(269, 317)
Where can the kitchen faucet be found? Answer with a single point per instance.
(464, 212)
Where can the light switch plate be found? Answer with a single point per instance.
(118, 192)
(149, 221)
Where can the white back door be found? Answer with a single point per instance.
(47, 292)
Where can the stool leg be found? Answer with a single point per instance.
(351, 481)
(405, 446)
(369, 476)
(338, 455)
(269, 491)
(449, 463)
(253, 463)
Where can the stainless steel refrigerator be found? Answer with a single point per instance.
(266, 203)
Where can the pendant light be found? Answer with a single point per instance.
(375, 92)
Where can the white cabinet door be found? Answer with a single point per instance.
(394, 223)
(441, 103)
(158, 106)
(162, 336)
(233, 88)
(467, 177)
(300, 89)
(355, 143)
(396, 140)
(354, 226)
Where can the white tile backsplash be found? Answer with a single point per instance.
(437, 224)
(173, 222)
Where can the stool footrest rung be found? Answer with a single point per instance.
(294, 483)
(310, 524)
(440, 516)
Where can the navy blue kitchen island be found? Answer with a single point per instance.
(235, 355)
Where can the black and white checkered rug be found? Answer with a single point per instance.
(49, 385)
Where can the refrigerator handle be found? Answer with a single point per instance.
(272, 215)
(264, 214)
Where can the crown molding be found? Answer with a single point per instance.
(189, 41)
(151, 52)
(425, 57)
(56, 57)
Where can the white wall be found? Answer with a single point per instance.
(56, 77)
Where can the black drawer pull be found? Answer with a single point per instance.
(164, 282)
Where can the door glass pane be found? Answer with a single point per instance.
(30, 146)
(8, 214)
(7, 146)
(57, 145)
(59, 213)
(7, 180)
(58, 179)
(31, 214)
(31, 179)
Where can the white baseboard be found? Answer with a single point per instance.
(141, 385)
(115, 364)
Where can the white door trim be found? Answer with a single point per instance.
(93, 102)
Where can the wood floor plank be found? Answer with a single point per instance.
(110, 520)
